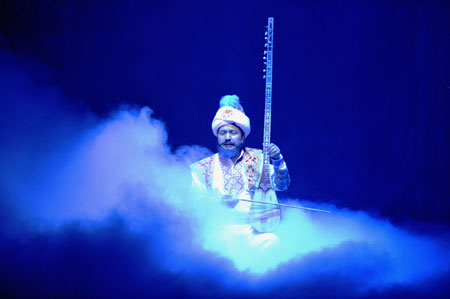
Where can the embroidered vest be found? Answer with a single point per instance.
(251, 162)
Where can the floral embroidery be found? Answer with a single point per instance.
(253, 159)
(206, 169)
(227, 113)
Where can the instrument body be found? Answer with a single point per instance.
(266, 217)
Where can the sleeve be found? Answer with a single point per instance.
(198, 180)
(280, 175)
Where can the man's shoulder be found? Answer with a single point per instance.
(249, 153)
(206, 162)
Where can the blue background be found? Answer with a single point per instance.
(361, 94)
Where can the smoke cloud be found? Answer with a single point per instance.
(105, 207)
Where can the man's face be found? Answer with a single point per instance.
(229, 140)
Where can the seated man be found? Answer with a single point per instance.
(235, 171)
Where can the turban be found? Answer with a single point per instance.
(228, 115)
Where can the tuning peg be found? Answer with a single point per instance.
(265, 62)
(264, 70)
(264, 58)
(265, 33)
(264, 77)
(266, 44)
(265, 52)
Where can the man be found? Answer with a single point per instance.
(235, 171)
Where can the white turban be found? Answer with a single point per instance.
(227, 115)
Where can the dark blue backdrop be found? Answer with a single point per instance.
(361, 90)
(361, 94)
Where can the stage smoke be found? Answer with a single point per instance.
(105, 207)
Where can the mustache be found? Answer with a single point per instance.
(228, 143)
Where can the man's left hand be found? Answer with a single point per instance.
(274, 151)
(229, 201)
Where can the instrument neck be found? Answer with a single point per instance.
(268, 100)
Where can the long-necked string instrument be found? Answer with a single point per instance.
(265, 212)
(266, 217)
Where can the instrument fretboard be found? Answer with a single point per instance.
(268, 95)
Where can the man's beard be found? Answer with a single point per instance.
(230, 152)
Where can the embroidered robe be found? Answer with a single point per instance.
(239, 179)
